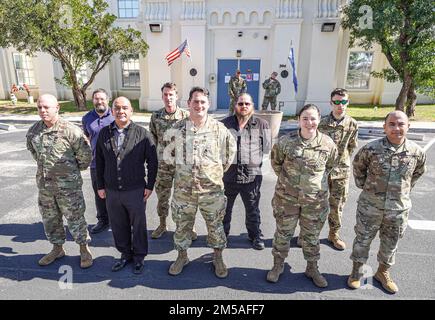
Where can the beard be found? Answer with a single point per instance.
(100, 108)
(244, 117)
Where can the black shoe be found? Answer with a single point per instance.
(120, 264)
(99, 227)
(258, 244)
(138, 268)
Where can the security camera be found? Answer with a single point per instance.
(240, 33)
(266, 37)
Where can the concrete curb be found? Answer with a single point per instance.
(7, 127)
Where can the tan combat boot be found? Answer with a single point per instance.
(383, 276)
(177, 266)
(55, 253)
(277, 269)
(161, 229)
(354, 280)
(313, 273)
(336, 241)
(85, 257)
(219, 265)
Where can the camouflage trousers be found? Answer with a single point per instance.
(68, 203)
(266, 101)
(212, 207)
(163, 189)
(338, 192)
(391, 225)
(311, 216)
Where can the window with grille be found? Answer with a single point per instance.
(359, 68)
(24, 69)
(128, 8)
(130, 71)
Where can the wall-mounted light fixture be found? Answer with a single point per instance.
(238, 53)
(328, 27)
(240, 33)
(156, 27)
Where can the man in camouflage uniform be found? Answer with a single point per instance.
(161, 121)
(61, 151)
(272, 88)
(236, 87)
(204, 150)
(386, 169)
(343, 130)
(302, 161)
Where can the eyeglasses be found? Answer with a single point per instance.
(240, 104)
(337, 102)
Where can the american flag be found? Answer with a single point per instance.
(171, 56)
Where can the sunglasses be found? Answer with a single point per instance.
(240, 104)
(337, 102)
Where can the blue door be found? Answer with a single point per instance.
(226, 69)
(251, 73)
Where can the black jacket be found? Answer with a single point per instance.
(126, 170)
(253, 141)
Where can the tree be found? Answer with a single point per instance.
(77, 33)
(405, 31)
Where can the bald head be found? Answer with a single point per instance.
(48, 109)
(48, 99)
(396, 114)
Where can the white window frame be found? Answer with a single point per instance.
(27, 70)
(128, 9)
(130, 64)
(369, 76)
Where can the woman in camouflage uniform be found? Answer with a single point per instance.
(302, 161)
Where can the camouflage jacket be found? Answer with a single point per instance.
(387, 175)
(303, 166)
(271, 87)
(345, 136)
(236, 86)
(161, 121)
(60, 153)
(201, 156)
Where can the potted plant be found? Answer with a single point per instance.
(29, 97)
(14, 89)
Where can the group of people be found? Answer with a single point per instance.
(206, 164)
(237, 85)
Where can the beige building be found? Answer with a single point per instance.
(254, 36)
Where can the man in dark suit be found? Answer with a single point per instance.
(123, 148)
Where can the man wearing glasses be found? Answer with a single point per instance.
(343, 129)
(244, 175)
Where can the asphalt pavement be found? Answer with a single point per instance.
(23, 243)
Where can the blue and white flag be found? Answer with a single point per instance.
(291, 57)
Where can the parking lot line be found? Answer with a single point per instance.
(429, 144)
(14, 150)
(422, 224)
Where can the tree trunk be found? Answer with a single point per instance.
(411, 102)
(403, 95)
(79, 99)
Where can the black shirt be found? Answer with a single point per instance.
(253, 141)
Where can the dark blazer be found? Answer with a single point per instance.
(125, 170)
